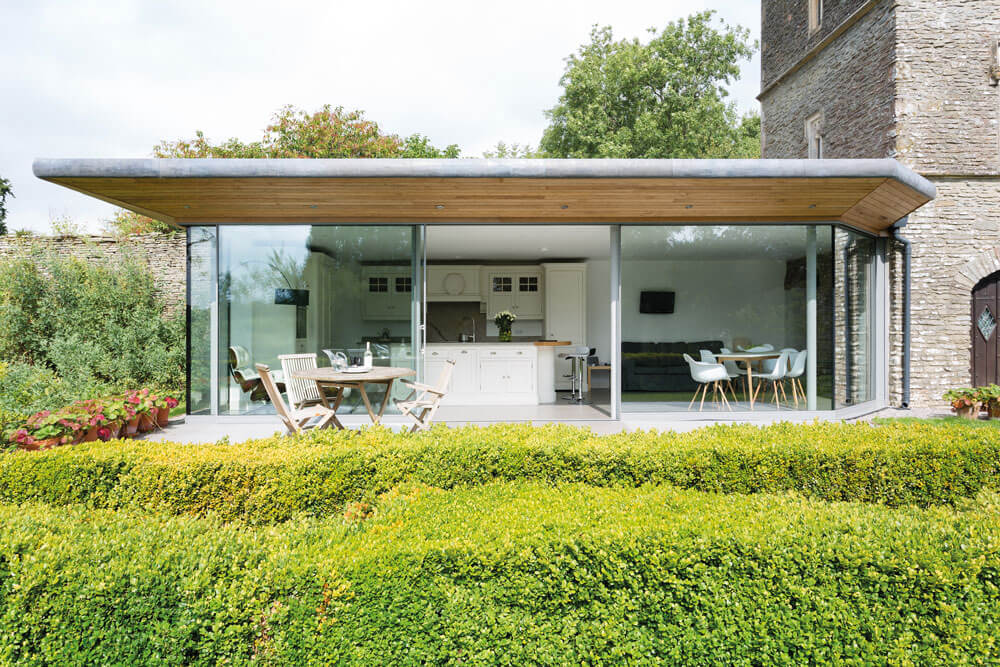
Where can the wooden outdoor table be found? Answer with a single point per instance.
(329, 377)
(749, 358)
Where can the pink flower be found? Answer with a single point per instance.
(104, 433)
(171, 402)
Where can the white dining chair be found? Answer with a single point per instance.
(795, 374)
(707, 374)
(708, 357)
(775, 377)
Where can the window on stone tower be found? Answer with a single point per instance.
(815, 15)
(814, 136)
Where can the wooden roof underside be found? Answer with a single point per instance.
(869, 204)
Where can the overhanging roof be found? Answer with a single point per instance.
(866, 194)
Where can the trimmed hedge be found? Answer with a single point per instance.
(278, 478)
(522, 573)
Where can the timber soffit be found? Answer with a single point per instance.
(869, 194)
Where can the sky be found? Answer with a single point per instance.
(112, 78)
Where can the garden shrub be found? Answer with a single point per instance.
(27, 389)
(95, 323)
(274, 479)
(521, 573)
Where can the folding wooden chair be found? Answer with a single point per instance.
(425, 399)
(296, 420)
(301, 393)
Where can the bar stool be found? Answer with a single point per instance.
(577, 358)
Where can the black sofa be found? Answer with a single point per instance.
(661, 366)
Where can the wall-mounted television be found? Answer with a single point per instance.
(656, 303)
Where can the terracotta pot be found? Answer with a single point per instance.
(968, 412)
(91, 434)
(115, 428)
(131, 427)
(993, 410)
(147, 422)
(39, 445)
(162, 417)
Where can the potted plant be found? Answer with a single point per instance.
(964, 402)
(504, 319)
(162, 405)
(144, 403)
(989, 398)
(43, 430)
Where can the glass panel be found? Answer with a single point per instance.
(740, 289)
(201, 294)
(305, 289)
(855, 257)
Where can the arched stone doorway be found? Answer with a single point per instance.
(985, 362)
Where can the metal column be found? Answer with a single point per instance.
(811, 345)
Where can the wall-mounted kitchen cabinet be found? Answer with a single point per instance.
(517, 289)
(386, 292)
(453, 283)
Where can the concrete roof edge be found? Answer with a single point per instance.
(47, 168)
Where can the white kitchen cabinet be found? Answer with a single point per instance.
(517, 289)
(487, 374)
(565, 311)
(386, 293)
(453, 283)
(463, 375)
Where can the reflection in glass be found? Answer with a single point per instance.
(305, 289)
(201, 253)
(855, 256)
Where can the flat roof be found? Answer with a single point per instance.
(866, 194)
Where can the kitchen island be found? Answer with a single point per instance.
(518, 373)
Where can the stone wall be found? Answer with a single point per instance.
(947, 110)
(947, 234)
(851, 82)
(164, 253)
(786, 25)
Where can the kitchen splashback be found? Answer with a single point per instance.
(446, 320)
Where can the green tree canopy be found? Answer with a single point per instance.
(5, 192)
(662, 99)
(329, 132)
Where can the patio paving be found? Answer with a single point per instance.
(198, 429)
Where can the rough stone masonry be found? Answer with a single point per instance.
(913, 80)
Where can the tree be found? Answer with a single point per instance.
(129, 223)
(513, 150)
(330, 132)
(5, 191)
(662, 99)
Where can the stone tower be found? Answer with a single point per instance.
(915, 80)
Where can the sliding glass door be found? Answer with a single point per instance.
(692, 290)
(295, 289)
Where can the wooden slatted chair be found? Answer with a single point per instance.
(425, 399)
(296, 420)
(301, 393)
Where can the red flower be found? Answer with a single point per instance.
(171, 402)
(104, 433)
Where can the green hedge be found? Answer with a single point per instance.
(523, 573)
(278, 478)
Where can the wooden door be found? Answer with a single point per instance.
(985, 313)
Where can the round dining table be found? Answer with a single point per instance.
(748, 358)
(329, 377)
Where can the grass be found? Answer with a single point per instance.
(939, 421)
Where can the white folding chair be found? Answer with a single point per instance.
(425, 399)
(295, 420)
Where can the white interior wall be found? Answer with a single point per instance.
(715, 300)
(599, 307)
